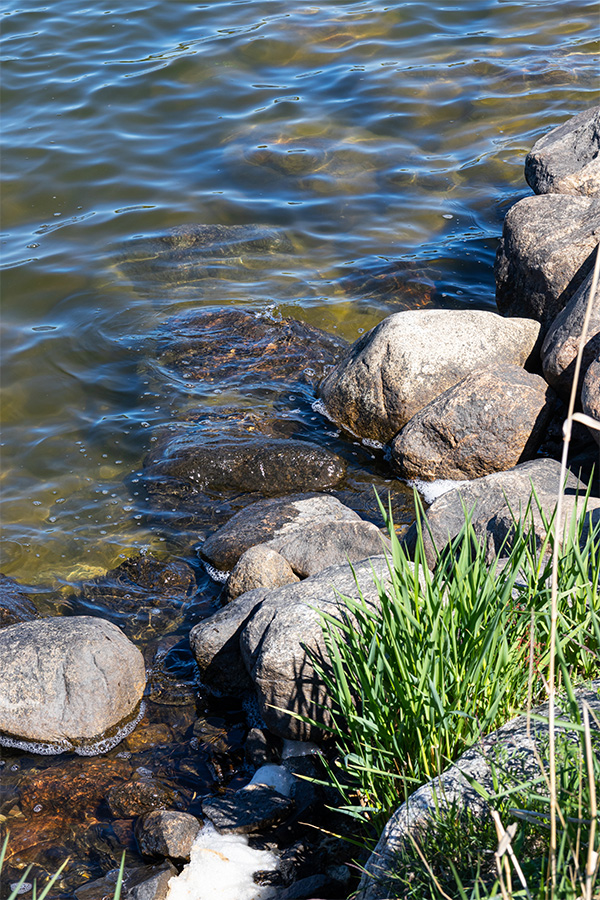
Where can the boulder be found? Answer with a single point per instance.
(493, 499)
(561, 344)
(590, 395)
(274, 630)
(545, 254)
(310, 531)
(67, 683)
(166, 832)
(567, 159)
(488, 422)
(259, 567)
(407, 360)
(186, 465)
(15, 603)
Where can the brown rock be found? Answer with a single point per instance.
(133, 798)
(15, 603)
(259, 566)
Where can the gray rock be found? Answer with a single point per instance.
(488, 422)
(251, 809)
(545, 254)
(491, 499)
(407, 360)
(512, 752)
(141, 883)
(187, 464)
(561, 344)
(590, 395)
(310, 531)
(166, 832)
(67, 681)
(15, 603)
(259, 566)
(567, 159)
(284, 629)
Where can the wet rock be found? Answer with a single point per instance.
(141, 883)
(403, 282)
(561, 344)
(145, 737)
(143, 589)
(590, 395)
(488, 422)
(71, 788)
(187, 465)
(191, 253)
(567, 159)
(133, 798)
(311, 532)
(166, 832)
(490, 500)
(15, 603)
(66, 682)
(407, 360)
(257, 749)
(545, 254)
(236, 346)
(253, 808)
(259, 567)
(215, 643)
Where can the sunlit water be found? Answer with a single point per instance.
(371, 134)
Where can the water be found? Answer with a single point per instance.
(385, 141)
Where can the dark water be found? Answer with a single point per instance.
(385, 141)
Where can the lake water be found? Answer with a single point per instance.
(386, 141)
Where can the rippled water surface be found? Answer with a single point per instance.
(384, 142)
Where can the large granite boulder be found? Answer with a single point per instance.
(488, 422)
(276, 631)
(410, 358)
(186, 464)
(545, 254)
(492, 501)
(567, 159)
(310, 532)
(590, 395)
(68, 683)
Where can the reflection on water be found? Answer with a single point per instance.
(342, 161)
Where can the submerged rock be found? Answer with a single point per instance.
(166, 832)
(407, 360)
(187, 464)
(134, 798)
(567, 159)
(545, 253)
(488, 422)
(237, 346)
(68, 683)
(15, 603)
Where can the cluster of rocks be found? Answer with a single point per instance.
(469, 395)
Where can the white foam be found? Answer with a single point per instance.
(215, 574)
(221, 868)
(431, 490)
(277, 777)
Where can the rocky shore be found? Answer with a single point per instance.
(471, 396)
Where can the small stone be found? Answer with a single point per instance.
(166, 832)
(259, 566)
(137, 797)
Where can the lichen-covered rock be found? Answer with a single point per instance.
(561, 344)
(66, 682)
(411, 357)
(488, 422)
(567, 159)
(590, 395)
(545, 254)
(259, 566)
(310, 531)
